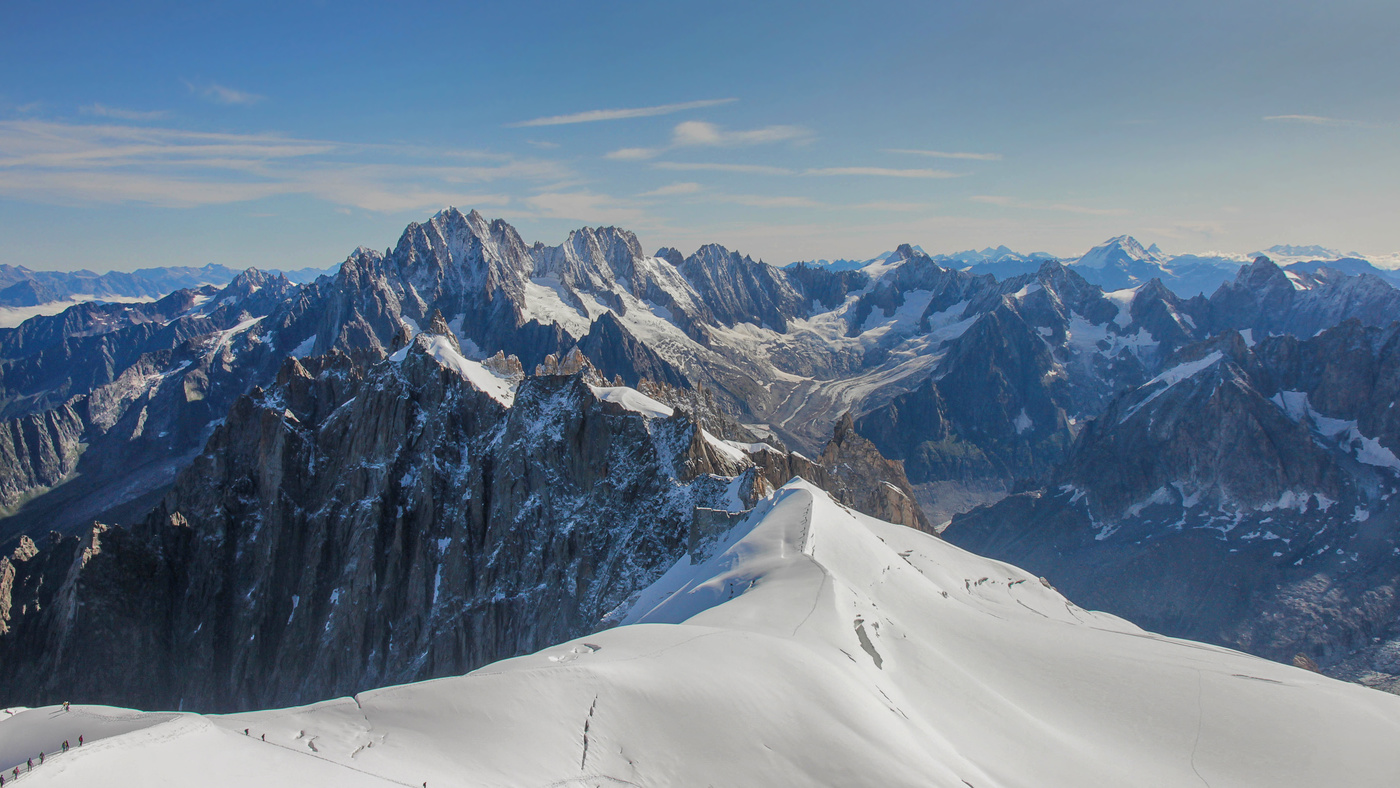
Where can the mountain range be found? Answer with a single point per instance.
(467, 447)
(1122, 262)
(25, 293)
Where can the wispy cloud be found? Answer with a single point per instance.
(764, 169)
(699, 133)
(883, 172)
(221, 94)
(104, 111)
(1010, 202)
(634, 154)
(938, 154)
(747, 169)
(542, 144)
(595, 115)
(114, 163)
(673, 190)
(1312, 120)
(695, 133)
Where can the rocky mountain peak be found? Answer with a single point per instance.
(714, 257)
(437, 326)
(574, 363)
(904, 252)
(590, 259)
(1262, 274)
(671, 255)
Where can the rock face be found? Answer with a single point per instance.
(105, 403)
(616, 353)
(736, 289)
(990, 415)
(346, 529)
(1241, 497)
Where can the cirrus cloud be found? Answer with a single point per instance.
(222, 94)
(65, 163)
(1312, 120)
(595, 115)
(696, 133)
(938, 154)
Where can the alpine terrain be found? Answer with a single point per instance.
(476, 510)
(806, 645)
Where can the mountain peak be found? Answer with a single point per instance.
(905, 252)
(670, 255)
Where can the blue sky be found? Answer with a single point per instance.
(285, 134)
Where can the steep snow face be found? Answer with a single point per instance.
(633, 400)
(807, 646)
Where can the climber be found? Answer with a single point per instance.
(80, 740)
(65, 705)
(65, 745)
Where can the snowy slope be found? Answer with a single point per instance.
(813, 647)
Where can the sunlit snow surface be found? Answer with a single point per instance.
(815, 647)
(474, 372)
(633, 400)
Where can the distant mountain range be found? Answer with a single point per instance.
(22, 287)
(1121, 262)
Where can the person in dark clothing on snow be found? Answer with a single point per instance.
(80, 740)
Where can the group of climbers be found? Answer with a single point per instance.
(29, 763)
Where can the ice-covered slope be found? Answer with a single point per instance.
(813, 646)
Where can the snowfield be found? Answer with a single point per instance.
(808, 646)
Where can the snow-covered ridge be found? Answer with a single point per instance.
(813, 647)
(633, 400)
(474, 372)
(1170, 377)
